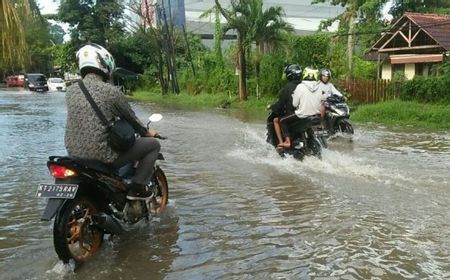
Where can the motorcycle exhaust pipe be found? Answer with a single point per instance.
(107, 223)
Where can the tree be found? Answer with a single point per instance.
(399, 7)
(12, 35)
(239, 19)
(267, 31)
(93, 21)
(358, 13)
(57, 33)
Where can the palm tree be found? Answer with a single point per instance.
(265, 28)
(268, 30)
(238, 18)
(12, 35)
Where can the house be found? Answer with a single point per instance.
(413, 45)
(301, 14)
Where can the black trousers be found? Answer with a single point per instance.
(293, 122)
(145, 150)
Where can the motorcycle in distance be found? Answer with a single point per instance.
(337, 116)
(88, 200)
(304, 141)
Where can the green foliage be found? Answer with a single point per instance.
(93, 21)
(399, 7)
(310, 50)
(39, 44)
(427, 89)
(402, 113)
(63, 56)
(211, 76)
(271, 80)
(57, 33)
(12, 35)
(364, 70)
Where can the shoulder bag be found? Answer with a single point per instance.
(121, 134)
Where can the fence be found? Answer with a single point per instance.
(370, 91)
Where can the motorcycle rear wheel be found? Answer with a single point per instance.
(74, 234)
(315, 148)
(159, 202)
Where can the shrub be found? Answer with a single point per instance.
(427, 89)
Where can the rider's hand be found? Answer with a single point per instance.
(152, 132)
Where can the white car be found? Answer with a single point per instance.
(56, 84)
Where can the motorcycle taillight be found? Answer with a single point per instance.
(61, 172)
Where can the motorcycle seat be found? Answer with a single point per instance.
(96, 165)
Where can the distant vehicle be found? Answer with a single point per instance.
(36, 82)
(56, 84)
(15, 81)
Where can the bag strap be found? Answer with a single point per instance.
(93, 104)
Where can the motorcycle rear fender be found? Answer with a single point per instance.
(53, 205)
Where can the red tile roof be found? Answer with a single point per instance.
(437, 26)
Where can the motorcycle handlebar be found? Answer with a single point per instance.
(160, 137)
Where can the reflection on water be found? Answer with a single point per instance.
(375, 207)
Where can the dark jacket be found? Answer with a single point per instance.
(283, 106)
(86, 136)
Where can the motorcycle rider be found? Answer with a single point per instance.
(307, 101)
(327, 88)
(86, 136)
(325, 85)
(283, 106)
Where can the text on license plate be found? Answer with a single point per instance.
(66, 191)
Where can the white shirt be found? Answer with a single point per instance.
(307, 98)
(329, 89)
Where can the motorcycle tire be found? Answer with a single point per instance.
(345, 127)
(315, 148)
(74, 235)
(159, 202)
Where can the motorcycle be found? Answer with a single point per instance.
(304, 141)
(88, 200)
(337, 116)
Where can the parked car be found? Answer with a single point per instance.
(15, 81)
(36, 82)
(56, 84)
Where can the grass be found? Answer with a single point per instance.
(405, 113)
(203, 100)
(390, 113)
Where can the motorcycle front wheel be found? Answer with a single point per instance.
(346, 127)
(74, 234)
(161, 192)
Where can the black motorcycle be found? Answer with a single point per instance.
(337, 116)
(88, 200)
(304, 141)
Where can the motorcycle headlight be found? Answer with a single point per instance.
(340, 112)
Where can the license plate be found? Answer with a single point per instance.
(66, 191)
(321, 133)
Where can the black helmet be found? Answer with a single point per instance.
(325, 72)
(293, 72)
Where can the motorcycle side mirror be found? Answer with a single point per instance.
(155, 118)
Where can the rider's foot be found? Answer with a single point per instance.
(139, 192)
(285, 144)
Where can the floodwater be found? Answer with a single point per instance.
(376, 207)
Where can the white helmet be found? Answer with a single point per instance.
(93, 58)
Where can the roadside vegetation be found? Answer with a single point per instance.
(173, 66)
(391, 113)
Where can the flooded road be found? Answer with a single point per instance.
(376, 207)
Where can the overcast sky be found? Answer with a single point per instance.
(48, 6)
